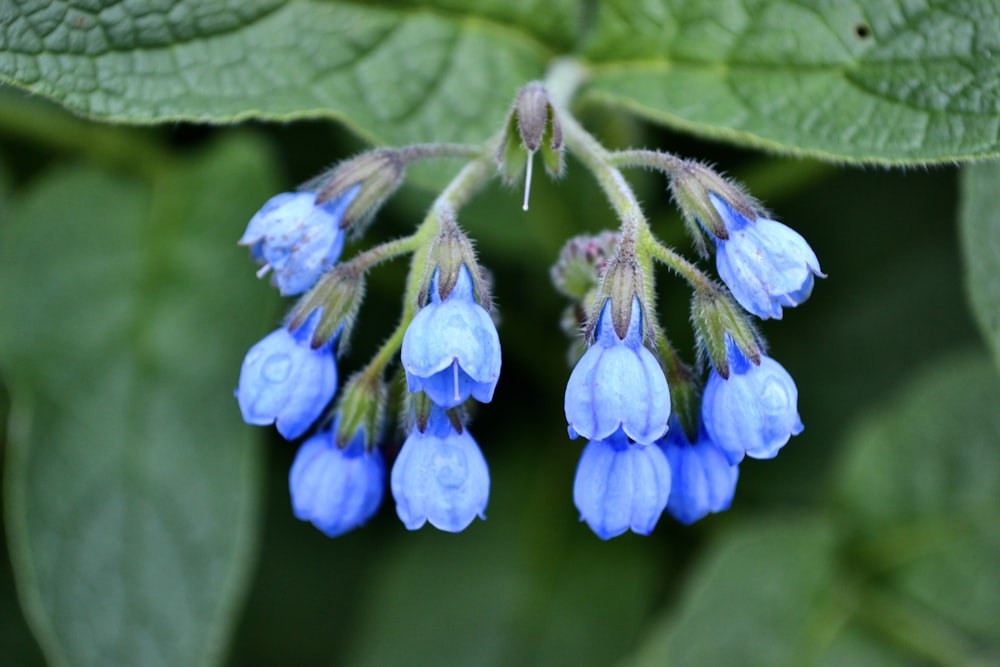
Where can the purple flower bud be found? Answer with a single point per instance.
(754, 412)
(618, 384)
(440, 476)
(702, 479)
(336, 489)
(285, 382)
(295, 239)
(451, 349)
(765, 264)
(621, 486)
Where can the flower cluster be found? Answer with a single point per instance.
(450, 352)
(661, 439)
(661, 435)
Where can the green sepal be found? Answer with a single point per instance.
(716, 316)
(511, 155)
(362, 407)
(691, 183)
(532, 125)
(685, 391)
(378, 174)
(622, 284)
(337, 295)
(449, 250)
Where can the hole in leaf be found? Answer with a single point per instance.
(862, 31)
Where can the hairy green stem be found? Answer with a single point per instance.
(383, 253)
(660, 160)
(458, 192)
(677, 262)
(637, 239)
(387, 352)
(424, 151)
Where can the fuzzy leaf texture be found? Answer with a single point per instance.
(877, 81)
(132, 489)
(905, 574)
(979, 231)
(444, 71)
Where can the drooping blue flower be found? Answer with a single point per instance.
(754, 412)
(765, 264)
(336, 489)
(702, 479)
(451, 349)
(621, 486)
(284, 381)
(297, 240)
(618, 384)
(440, 476)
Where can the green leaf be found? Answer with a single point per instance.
(979, 229)
(400, 74)
(766, 594)
(906, 577)
(131, 484)
(877, 81)
(922, 480)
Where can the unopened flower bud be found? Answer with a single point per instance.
(719, 322)
(532, 125)
(582, 262)
(337, 297)
(377, 173)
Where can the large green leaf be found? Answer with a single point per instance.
(131, 484)
(879, 81)
(398, 73)
(767, 594)
(908, 574)
(923, 482)
(979, 227)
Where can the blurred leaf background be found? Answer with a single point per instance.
(147, 525)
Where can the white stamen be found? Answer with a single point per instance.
(454, 365)
(527, 181)
(263, 270)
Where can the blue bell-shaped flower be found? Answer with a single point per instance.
(621, 486)
(451, 349)
(618, 384)
(296, 240)
(765, 264)
(284, 381)
(440, 476)
(754, 412)
(336, 489)
(702, 479)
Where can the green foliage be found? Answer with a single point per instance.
(131, 485)
(397, 74)
(907, 568)
(869, 82)
(855, 81)
(132, 489)
(979, 228)
(933, 533)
